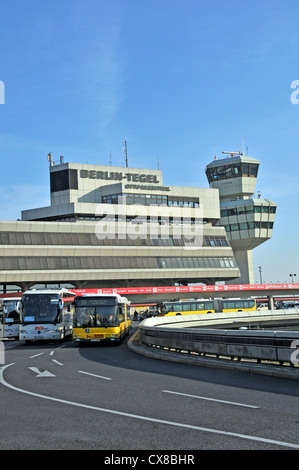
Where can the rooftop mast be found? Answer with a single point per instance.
(126, 153)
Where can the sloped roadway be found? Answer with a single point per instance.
(61, 396)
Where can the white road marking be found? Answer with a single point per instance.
(94, 375)
(211, 399)
(39, 354)
(145, 418)
(59, 363)
(45, 373)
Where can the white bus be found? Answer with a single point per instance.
(10, 316)
(46, 314)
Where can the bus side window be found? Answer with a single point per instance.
(120, 313)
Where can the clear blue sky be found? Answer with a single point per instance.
(173, 78)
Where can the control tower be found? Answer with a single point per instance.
(248, 219)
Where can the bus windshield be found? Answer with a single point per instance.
(11, 314)
(40, 308)
(96, 312)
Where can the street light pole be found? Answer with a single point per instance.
(292, 276)
(260, 270)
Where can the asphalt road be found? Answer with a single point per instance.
(61, 396)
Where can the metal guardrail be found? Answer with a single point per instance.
(220, 336)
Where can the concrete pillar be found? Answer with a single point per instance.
(270, 302)
(244, 262)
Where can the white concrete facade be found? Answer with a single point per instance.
(117, 226)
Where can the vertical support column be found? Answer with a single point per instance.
(270, 302)
(244, 262)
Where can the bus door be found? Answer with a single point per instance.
(218, 305)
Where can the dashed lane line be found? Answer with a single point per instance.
(146, 418)
(211, 399)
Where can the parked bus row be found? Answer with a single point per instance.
(55, 314)
(191, 307)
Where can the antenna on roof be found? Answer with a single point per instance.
(214, 150)
(126, 153)
(50, 159)
(232, 154)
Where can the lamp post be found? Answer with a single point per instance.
(292, 276)
(260, 270)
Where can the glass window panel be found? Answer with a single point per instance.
(71, 263)
(253, 169)
(15, 263)
(7, 263)
(64, 263)
(186, 307)
(44, 263)
(61, 238)
(237, 169)
(29, 263)
(245, 169)
(37, 263)
(5, 239)
(22, 263)
(12, 239)
(20, 238)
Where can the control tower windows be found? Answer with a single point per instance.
(232, 170)
(249, 209)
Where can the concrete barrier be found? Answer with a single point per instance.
(220, 335)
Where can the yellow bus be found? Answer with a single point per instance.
(101, 318)
(190, 307)
(238, 305)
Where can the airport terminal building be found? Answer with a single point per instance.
(112, 226)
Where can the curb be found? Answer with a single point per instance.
(161, 354)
